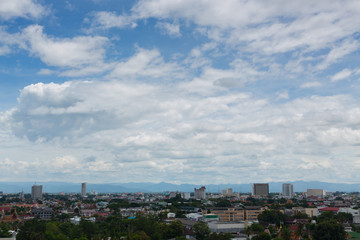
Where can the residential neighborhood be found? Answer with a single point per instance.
(178, 215)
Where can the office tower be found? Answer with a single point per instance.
(320, 193)
(83, 189)
(227, 192)
(36, 192)
(200, 193)
(287, 190)
(260, 189)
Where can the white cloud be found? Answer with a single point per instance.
(142, 125)
(9, 40)
(311, 85)
(108, 20)
(45, 71)
(284, 94)
(212, 79)
(74, 52)
(4, 50)
(265, 28)
(155, 117)
(149, 64)
(21, 8)
(345, 73)
(169, 28)
(338, 52)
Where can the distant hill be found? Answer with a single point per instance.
(56, 187)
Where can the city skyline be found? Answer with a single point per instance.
(146, 187)
(180, 92)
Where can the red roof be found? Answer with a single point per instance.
(331, 209)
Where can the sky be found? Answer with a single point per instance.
(183, 91)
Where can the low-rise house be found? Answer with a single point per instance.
(329, 209)
(44, 213)
(219, 227)
(87, 212)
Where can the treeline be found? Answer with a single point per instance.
(143, 227)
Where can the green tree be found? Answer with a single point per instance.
(272, 216)
(285, 233)
(262, 236)
(175, 229)
(4, 230)
(53, 232)
(300, 231)
(141, 235)
(326, 216)
(180, 238)
(344, 217)
(220, 236)
(88, 229)
(256, 228)
(201, 230)
(149, 224)
(32, 230)
(300, 215)
(329, 230)
(223, 203)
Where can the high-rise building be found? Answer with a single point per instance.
(260, 189)
(200, 193)
(36, 192)
(287, 190)
(83, 189)
(227, 191)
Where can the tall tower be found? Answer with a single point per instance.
(260, 189)
(287, 190)
(83, 189)
(200, 193)
(36, 192)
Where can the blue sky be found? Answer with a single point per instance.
(181, 91)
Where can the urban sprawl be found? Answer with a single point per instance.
(289, 215)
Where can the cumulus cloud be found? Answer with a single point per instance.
(21, 8)
(74, 52)
(141, 125)
(214, 105)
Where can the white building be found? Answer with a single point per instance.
(186, 195)
(200, 193)
(354, 212)
(315, 193)
(194, 216)
(219, 227)
(83, 189)
(287, 190)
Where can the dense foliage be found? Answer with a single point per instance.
(142, 227)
